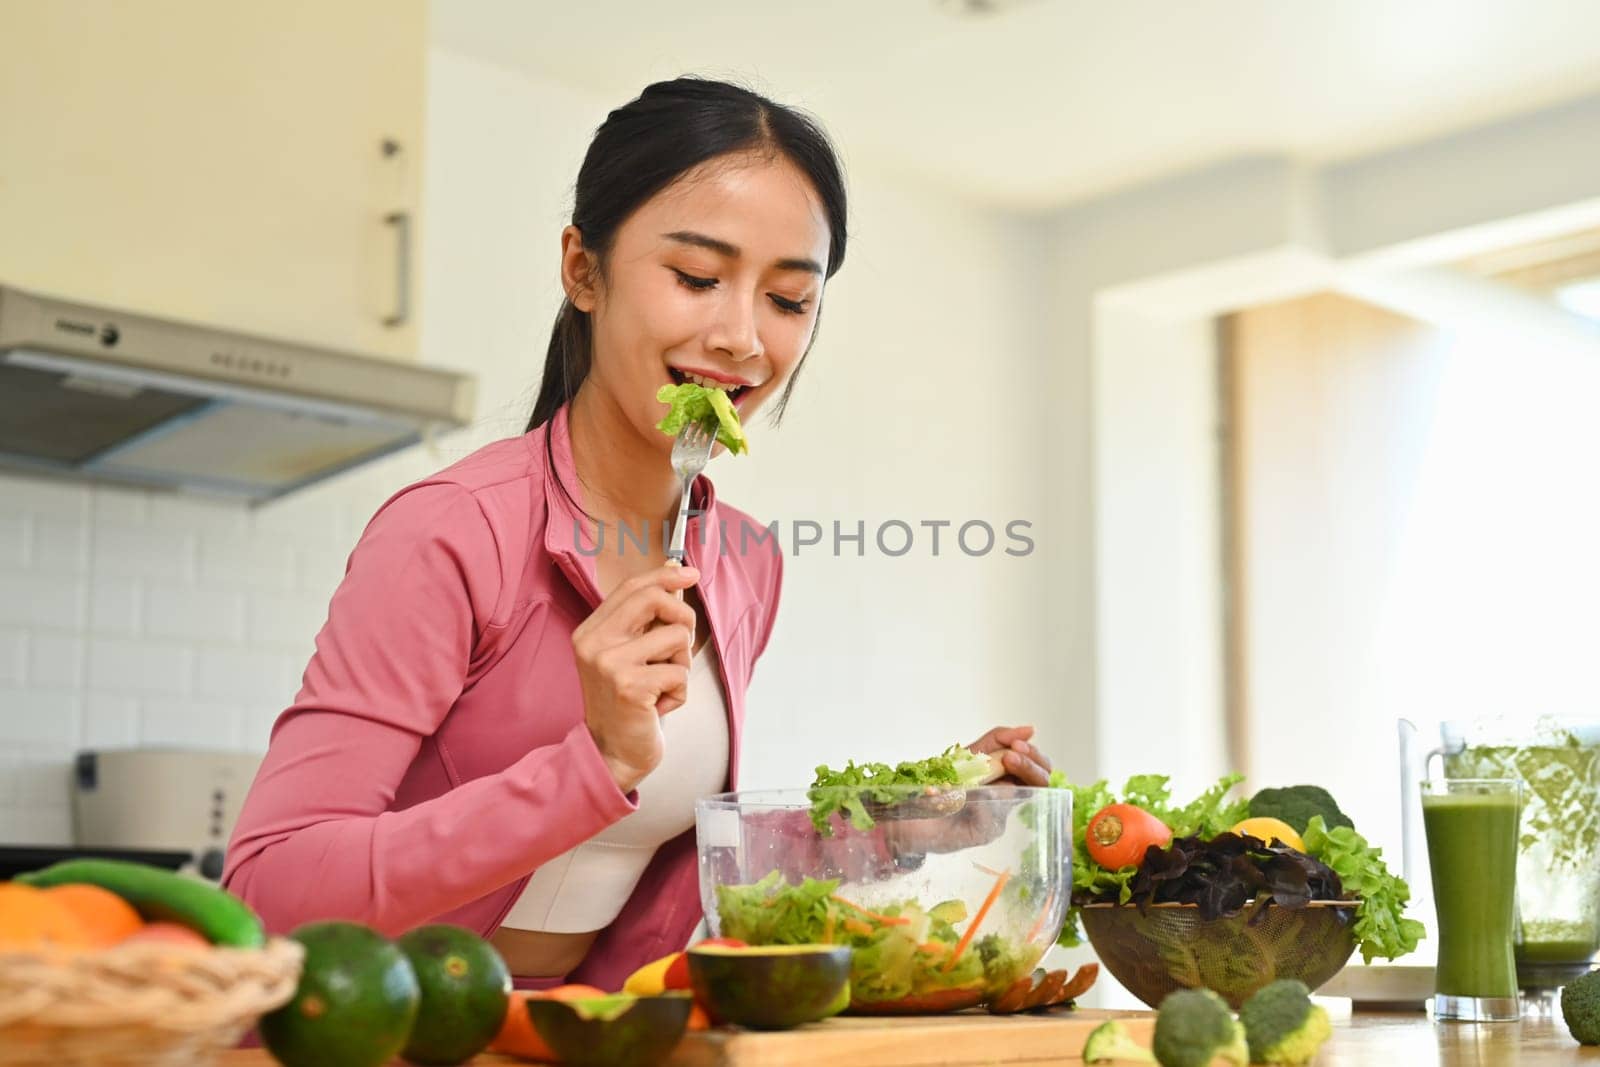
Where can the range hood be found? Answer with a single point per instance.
(108, 396)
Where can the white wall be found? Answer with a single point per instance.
(129, 617)
(1158, 595)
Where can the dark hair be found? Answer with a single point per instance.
(646, 145)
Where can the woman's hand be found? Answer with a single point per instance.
(975, 824)
(633, 667)
(1024, 764)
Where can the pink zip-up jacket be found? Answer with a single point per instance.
(436, 753)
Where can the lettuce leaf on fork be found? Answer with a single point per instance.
(696, 403)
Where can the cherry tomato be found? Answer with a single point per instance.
(1119, 834)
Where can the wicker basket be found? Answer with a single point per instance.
(145, 1003)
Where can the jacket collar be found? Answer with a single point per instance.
(567, 524)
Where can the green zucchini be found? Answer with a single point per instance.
(160, 895)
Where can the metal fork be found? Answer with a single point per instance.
(690, 452)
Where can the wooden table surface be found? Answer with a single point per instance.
(1368, 1040)
(1414, 1040)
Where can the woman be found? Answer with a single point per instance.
(501, 727)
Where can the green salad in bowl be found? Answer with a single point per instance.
(947, 894)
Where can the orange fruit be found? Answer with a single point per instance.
(30, 918)
(173, 933)
(517, 1037)
(105, 917)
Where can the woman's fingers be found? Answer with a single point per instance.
(1026, 769)
(1001, 737)
(665, 645)
(670, 681)
(1021, 759)
(666, 579)
(646, 609)
(1029, 750)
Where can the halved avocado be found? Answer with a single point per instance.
(771, 987)
(618, 1031)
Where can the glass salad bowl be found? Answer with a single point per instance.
(946, 895)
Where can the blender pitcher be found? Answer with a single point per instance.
(1558, 851)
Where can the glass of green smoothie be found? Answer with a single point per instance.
(1558, 854)
(1471, 825)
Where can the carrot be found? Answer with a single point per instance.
(1044, 913)
(856, 926)
(933, 948)
(881, 920)
(977, 920)
(827, 928)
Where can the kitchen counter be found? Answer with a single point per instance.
(1412, 1039)
(1366, 1039)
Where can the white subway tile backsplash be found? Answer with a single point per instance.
(286, 619)
(43, 600)
(130, 618)
(246, 562)
(319, 573)
(312, 518)
(10, 781)
(255, 729)
(208, 518)
(109, 721)
(120, 665)
(14, 532)
(60, 546)
(36, 496)
(188, 724)
(13, 656)
(149, 553)
(114, 606)
(36, 825)
(39, 719)
(55, 661)
(114, 506)
(245, 676)
(198, 614)
(46, 780)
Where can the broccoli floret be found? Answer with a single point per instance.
(1296, 804)
(1580, 1007)
(1194, 1026)
(1282, 1025)
(1111, 1041)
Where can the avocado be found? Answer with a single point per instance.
(355, 1003)
(620, 1030)
(771, 987)
(465, 988)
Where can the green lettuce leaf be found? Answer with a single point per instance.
(1381, 928)
(846, 790)
(889, 961)
(696, 403)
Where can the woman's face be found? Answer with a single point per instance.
(716, 278)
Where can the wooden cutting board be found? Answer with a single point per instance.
(916, 1041)
(960, 1040)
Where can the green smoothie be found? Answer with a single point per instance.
(1472, 848)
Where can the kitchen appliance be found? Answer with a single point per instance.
(161, 798)
(95, 394)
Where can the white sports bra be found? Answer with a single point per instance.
(585, 888)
